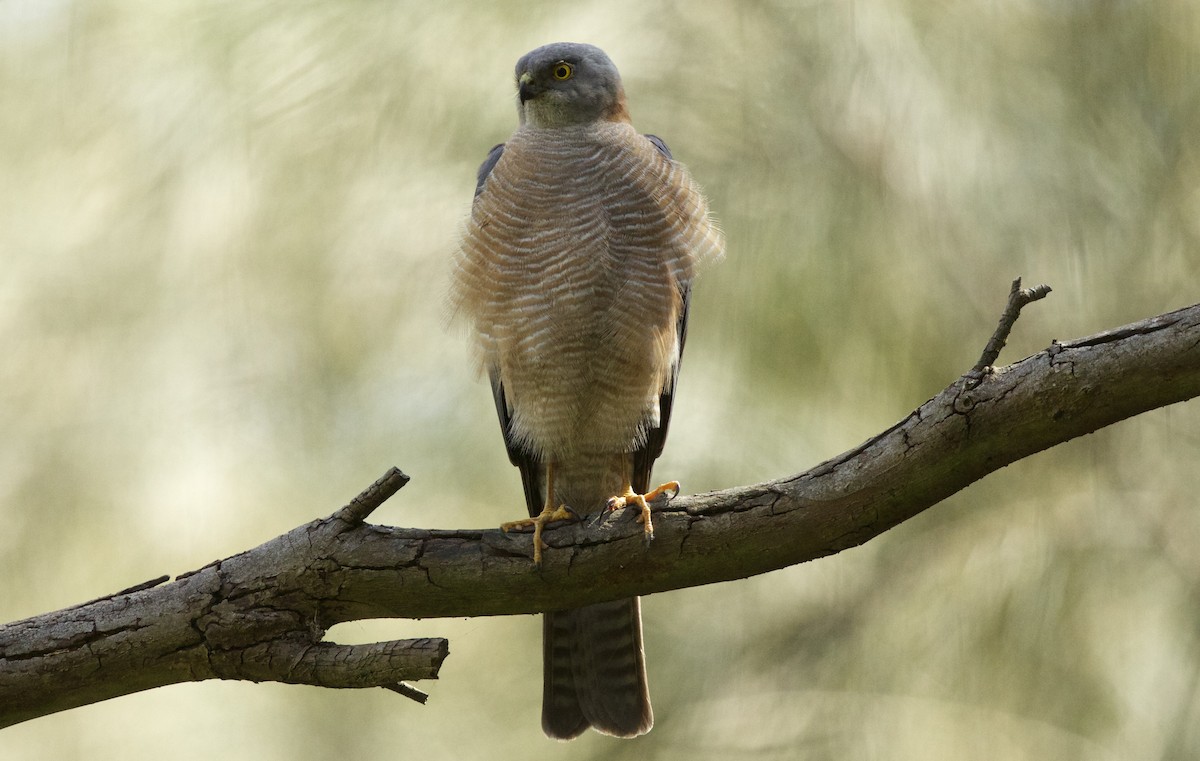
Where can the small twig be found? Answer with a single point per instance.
(372, 497)
(964, 401)
(408, 691)
(1017, 299)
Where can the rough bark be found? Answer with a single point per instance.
(261, 615)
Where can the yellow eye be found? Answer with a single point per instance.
(563, 70)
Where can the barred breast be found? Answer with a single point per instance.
(570, 271)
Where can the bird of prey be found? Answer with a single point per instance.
(574, 273)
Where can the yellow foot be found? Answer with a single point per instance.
(561, 513)
(642, 501)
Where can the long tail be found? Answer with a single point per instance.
(595, 671)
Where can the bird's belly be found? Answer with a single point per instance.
(579, 379)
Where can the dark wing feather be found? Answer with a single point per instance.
(486, 167)
(529, 465)
(658, 143)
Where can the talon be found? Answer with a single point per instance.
(630, 498)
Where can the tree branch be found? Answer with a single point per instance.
(261, 615)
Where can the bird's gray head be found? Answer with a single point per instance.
(568, 83)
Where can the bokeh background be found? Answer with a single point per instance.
(225, 230)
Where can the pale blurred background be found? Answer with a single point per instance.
(225, 231)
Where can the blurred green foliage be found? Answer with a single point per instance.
(225, 231)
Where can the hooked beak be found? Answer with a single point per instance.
(526, 89)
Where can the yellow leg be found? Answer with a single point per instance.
(550, 512)
(629, 497)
